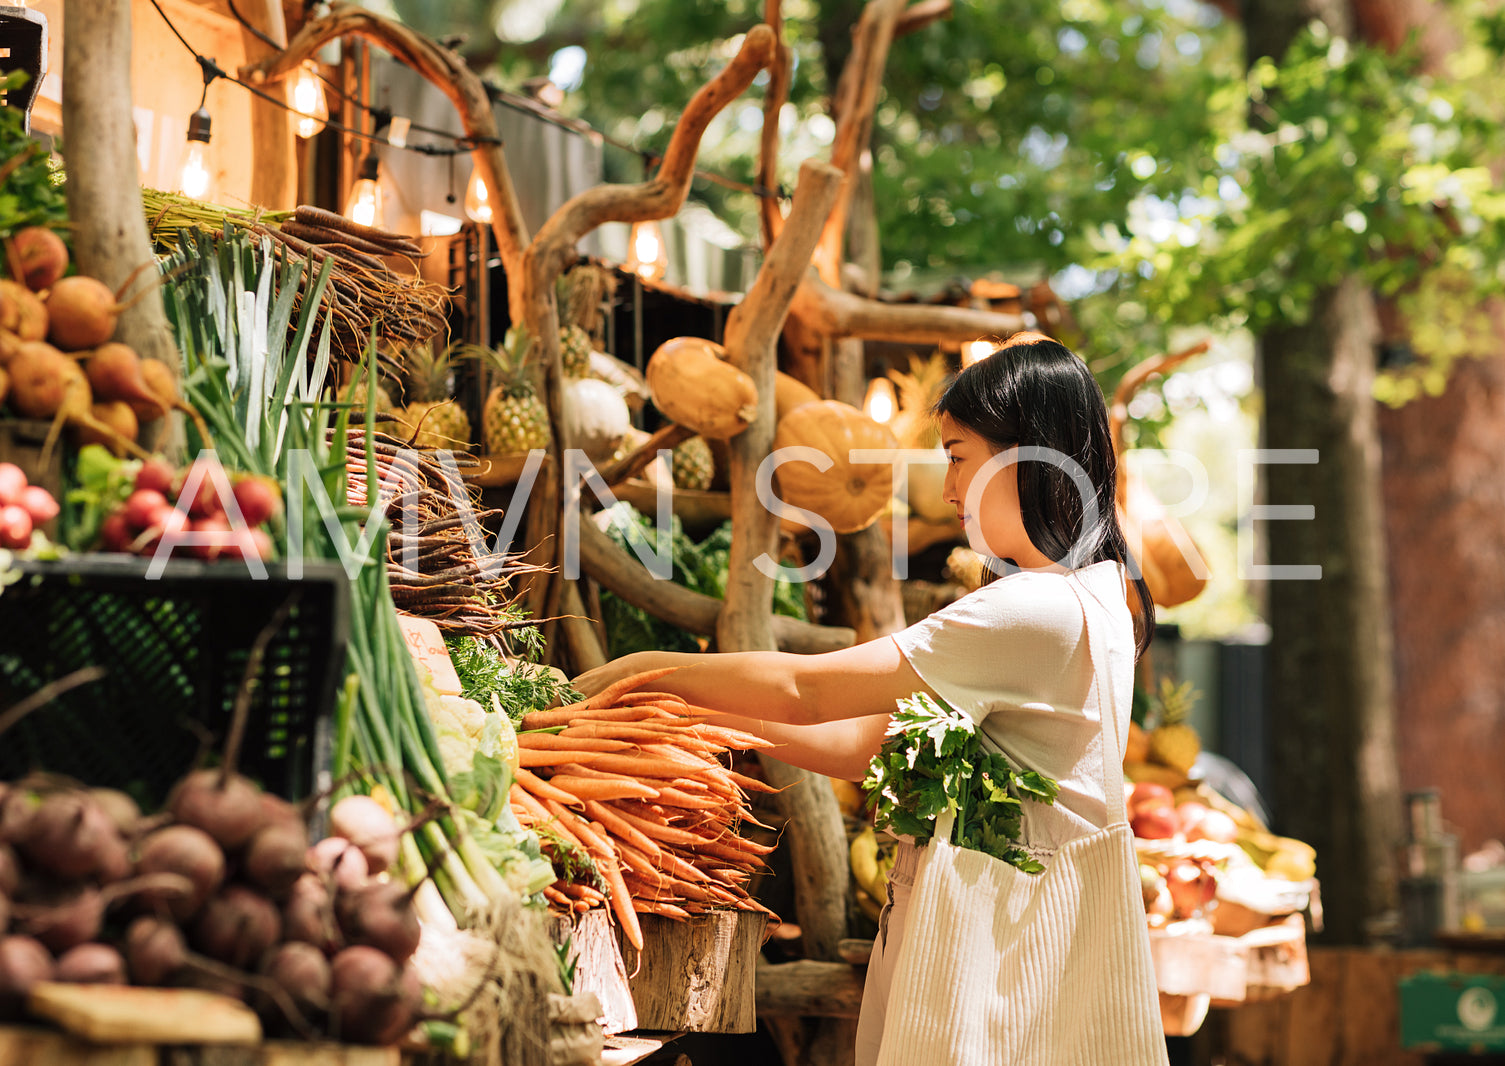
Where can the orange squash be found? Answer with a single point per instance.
(848, 495)
(789, 393)
(694, 386)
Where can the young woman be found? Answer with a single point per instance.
(1031, 474)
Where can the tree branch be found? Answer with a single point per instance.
(779, 73)
(843, 314)
(449, 73)
(918, 16)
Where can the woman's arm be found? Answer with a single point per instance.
(836, 749)
(774, 686)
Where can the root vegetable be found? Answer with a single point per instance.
(188, 852)
(81, 313)
(67, 836)
(115, 532)
(12, 484)
(156, 474)
(118, 418)
(22, 312)
(380, 915)
(91, 964)
(114, 372)
(122, 810)
(143, 508)
(367, 825)
(257, 498)
(156, 950)
(308, 915)
(341, 861)
(39, 503)
(4, 914)
(238, 927)
(159, 380)
(276, 857)
(41, 255)
(17, 806)
(23, 963)
(302, 971)
(222, 803)
(372, 998)
(10, 870)
(63, 922)
(43, 381)
(15, 527)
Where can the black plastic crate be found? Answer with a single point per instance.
(175, 650)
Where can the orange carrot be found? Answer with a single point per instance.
(667, 833)
(621, 828)
(607, 697)
(556, 897)
(543, 790)
(666, 910)
(554, 742)
(728, 737)
(566, 716)
(632, 699)
(621, 902)
(532, 758)
(675, 797)
(594, 788)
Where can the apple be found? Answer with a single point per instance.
(1191, 813)
(1155, 823)
(1191, 887)
(1148, 794)
(1215, 826)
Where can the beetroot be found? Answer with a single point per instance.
(340, 860)
(64, 920)
(188, 852)
(367, 825)
(17, 806)
(308, 915)
(91, 964)
(373, 999)
(69, 837)
(380, 915)
(23, 963)
(276, 857)
(123, 810)
(302, 971)
(222, 804)
(22, 312)
(238, 927)
(156, 950)
(10, 870)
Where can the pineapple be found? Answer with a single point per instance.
(575, 352)
(514, 420)
(433, 419)
(918, 392)
(1173, 742)
(356, 394)
(693, 466)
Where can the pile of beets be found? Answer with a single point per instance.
(220, 891)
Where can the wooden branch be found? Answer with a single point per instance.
(808, 988)
(670, 436)
(917, 16)
(751, 337)
(1132, 381)
(856, 100)
(843, 314)
(553, 247)
(274, 175)
(770, 212)
(586, 652)
(447, 71)
(619, 571)
(110, 240)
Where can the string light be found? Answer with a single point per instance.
(976, 351)
(647, 257)
(309, 102)
(363, 205)
(477, 199)
(880, 400)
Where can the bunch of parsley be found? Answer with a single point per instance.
(932, 761)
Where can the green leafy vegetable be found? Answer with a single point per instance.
(520, 685)
(31, 193)
(933, 761)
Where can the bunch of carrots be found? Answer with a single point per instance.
(636, 781)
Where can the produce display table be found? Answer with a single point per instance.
(27, 1046)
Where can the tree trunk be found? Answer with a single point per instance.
(1331, 682)
(274, 178)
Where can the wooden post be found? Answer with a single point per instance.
(274, 175)
(110, 240)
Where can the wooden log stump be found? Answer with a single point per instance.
(599, 968)
(696, 976)
(809, 989)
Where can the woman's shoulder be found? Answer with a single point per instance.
(1035, 600)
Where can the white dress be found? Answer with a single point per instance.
(1014, 656)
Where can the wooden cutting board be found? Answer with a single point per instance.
(117, 1014)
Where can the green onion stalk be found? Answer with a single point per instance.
(231, 304)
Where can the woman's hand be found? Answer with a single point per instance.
(593, 681)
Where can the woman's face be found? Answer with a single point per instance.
(986, 500)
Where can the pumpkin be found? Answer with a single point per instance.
(1152, 536)
(595, 417)
(789, 393)
(694, 386)
(848, 495)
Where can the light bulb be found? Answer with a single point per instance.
(974, 351)
(196, 180)
(477, 199)
(309, 102)
(364, 203)
(880, 403)
(648, 258)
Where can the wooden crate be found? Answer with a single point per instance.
(696, 976)
(1195, 973)
(28, 1046)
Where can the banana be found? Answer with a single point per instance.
(863, 855)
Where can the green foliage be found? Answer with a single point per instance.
(933, 761)
(32, 192)
(701, 567)
(519, 685)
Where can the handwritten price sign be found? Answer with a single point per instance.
(427, 646)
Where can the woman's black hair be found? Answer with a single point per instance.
(1035, 392)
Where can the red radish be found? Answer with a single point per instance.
(23, 963)
(1155, 823)
(341, 860)
(380, 915)
(222, 803)
(188, 852)
(258, 499)
(144, 508)
(1215, 826)
(91, 964)
(201, 481)
(260, 546)
(115, 532)
(67, 836)
(39, 504)
(276, 857)
(114, 423)
(12, 484)
(42, 255)
(308, 914)
(15, 527)
(211, 547)
(22, 312)
(156, 950)
(156, 474)
(372, 1000)
(368, 825)
(1150, 794)
(238, 927)
(81, 312)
